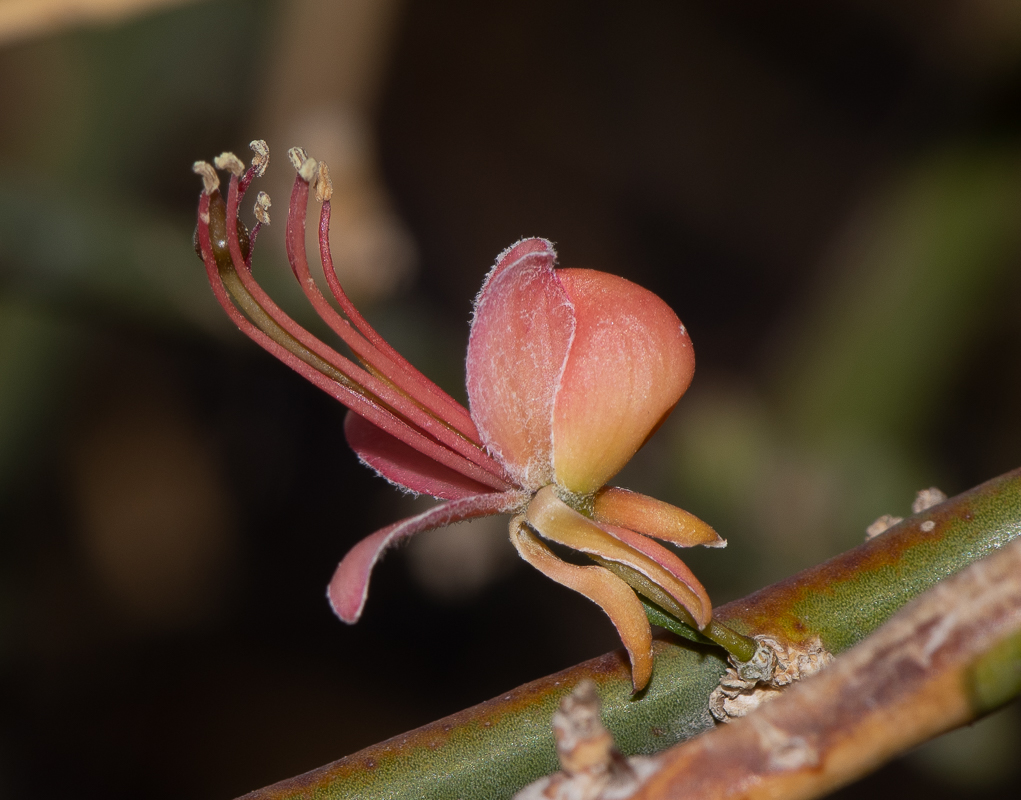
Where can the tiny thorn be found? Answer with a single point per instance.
(231, 163)
(324, 186)
(262, 204)
(260, 161)
(210, 180)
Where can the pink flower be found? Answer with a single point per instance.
(569, 371)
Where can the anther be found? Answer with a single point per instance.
(298, 157)
(324, 186)
(309, 169)
(260, 161)
(305, 164)
(231, 163)
(262, 204)
(210, 180)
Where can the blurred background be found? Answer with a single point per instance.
(828, 197)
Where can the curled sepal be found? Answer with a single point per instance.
(558, 522)
(403, 465)
(693, 594)
(350, 584)
(603, 588)
(644, 514)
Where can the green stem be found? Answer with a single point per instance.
(493, 749)
(742, 648)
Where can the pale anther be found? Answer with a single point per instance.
(262, 204)
(324, 186)
(298, 156)
(309, 169)
(231, 163)
(261, 158)
(210, 180)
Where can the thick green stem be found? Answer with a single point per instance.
(492, 750)
(742, 648)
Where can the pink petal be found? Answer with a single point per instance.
(644, 514)
(405, 466)
(349, 587)
(520, 335)
(603, 588)
(629, 363)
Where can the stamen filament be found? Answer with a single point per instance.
(281, 348)
(445, 405)
(376, 389)
(384, 368)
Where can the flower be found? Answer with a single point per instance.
(569, 371)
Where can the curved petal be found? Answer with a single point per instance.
(405, 466)
(520, 334)
(672, 564)
(556, 521)
(350, 584)
(630, 362)
(603, 588)
(652, 517)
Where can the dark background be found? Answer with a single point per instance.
(828, 197)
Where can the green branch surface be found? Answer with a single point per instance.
(495, 748)
(948, 658)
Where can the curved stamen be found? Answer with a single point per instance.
(418, 389)
(346, 371)
(413, 381)
(265, 332)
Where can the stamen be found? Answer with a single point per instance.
(465, 458)
(284, 339)
(298, 156)
(425, 391)
(210, 180)
(231, 163)
(262, 204)
(413, 395)
(260, 161)
(323, 184)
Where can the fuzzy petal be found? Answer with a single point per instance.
(350, 584)
(603, 588)
(652, 517)
(520, 334)
(556, 521)
(630, 361)
(405, 466)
